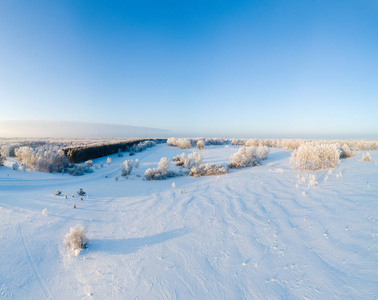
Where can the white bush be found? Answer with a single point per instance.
(366, 157)
(193, 160)
(109, 160)
(248, 157)
(207, 170)
(180, 159)
(315, 156)
(127, 167)
(161, 172)
(200, 144)
(182, 143)
(76, 239)
(345, 151)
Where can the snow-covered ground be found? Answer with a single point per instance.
(255, 233)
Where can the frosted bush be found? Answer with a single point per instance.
(44, 212)
(109, 160)
(366, 157)
(76, 239)
(42, 159)
(315, 156)
(194, 159)
(127, 167)
(180, 159)
(248, 157)
(345, 151)
(207, 170)
(173, 185)
(57, 193)
(200, 144)
(136, 164)
(161, 172)
(182, 143)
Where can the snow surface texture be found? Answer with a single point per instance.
(256, 233)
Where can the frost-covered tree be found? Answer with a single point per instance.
(126, 168)
(161, 172)
(136, 164)
(194, 159)
(200, 144)
(109, 160)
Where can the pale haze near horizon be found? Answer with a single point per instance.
(190, 68)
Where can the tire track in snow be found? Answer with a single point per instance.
(41, 282)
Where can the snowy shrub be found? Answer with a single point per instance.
(74, 205)
(42, 159)
(366, 157)
(161, 172)
(173, 185)
(44, 212)
(315, 156)
(193, 160)
(182, 143)
(200, 144)
(81, 192)
(126, 168)
(109, 160)
(57, 193)
(136, 164)
(15, 166)
(180, 159)
(24, 167)
(248, 157)
(89, 163)
(207, 170)
(76, 239)
(345, 151)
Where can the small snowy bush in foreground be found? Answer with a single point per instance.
(315, 156)
(366, 157)
(76, 239)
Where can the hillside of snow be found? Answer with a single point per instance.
(265, 232)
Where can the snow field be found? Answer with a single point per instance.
(250, 234)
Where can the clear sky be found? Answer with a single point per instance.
(197, 68)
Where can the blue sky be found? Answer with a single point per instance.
(196, 68)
